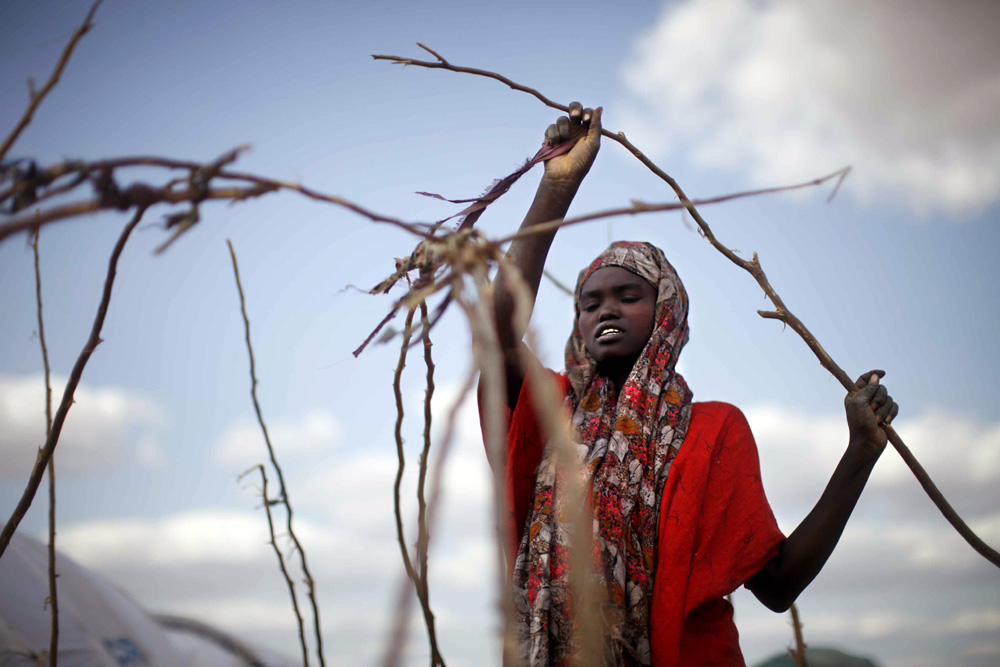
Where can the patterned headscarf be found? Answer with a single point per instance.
(626, 445)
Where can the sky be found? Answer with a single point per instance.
(897, 272)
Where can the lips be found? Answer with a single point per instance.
(608, 333)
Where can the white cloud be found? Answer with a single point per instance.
(99, 429)
(908, 93)
(202, 536)
(799, 451)
(242, 443)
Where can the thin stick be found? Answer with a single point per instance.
(53, 592)
(281, 559)
(405, 592)
(45, 454)
(548, 404)
(283, 488)
(399, 626)
(37, 97)
(638, 208)
(489, 359)
(423, 535)
(561, 286)
(781, 312)
(799, 653)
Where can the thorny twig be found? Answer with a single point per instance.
(37, 97)
(45, 453)
(53, 592)
(281, 559)
(780, 312)
(283, 489)
(799, 652)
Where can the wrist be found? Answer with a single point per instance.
(861, 453)
(561, 184)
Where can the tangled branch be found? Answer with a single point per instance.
(33, 185)
(753, 267)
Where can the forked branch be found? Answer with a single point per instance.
(38, 96)
(283, 498)
(281, 559)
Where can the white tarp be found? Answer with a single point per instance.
(99, 625)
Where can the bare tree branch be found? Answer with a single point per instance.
(489, 359)
(561, 286)
(799, 652)
(638, 208)
(753, 267)
(281, 559)
(45, 453)
(110, 196)
(53, 592)
(37, 97)
(283, 497)
(423, 534)
(402, 610)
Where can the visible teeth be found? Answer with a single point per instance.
(609, 331)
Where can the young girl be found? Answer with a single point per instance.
(679, 514)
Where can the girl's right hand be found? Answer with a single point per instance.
(582, 124)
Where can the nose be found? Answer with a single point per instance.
(609, 310)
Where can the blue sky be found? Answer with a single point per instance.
(898, 272)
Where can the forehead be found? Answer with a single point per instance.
(612, 278)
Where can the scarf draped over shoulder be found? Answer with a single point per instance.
(626, 445)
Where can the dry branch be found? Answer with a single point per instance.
(423, 534)
(799, 652)
(281, 559)
(35, 185)
(555, 428)
(417, 574)
(283, 489)
(780, 312)
(53, 600)
(37, 97)
(489, 359)
(45, 453)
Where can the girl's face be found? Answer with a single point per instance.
(617, 315)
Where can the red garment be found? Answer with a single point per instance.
(716, 528)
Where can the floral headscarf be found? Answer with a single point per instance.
(626, 445)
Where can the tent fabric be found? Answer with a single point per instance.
(98, 624)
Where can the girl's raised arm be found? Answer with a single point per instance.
(563, 175)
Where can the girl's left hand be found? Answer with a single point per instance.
(869, 408)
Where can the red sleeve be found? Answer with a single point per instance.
(716, 531)
(525, 442)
